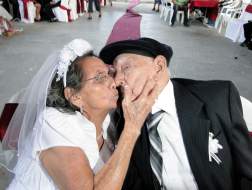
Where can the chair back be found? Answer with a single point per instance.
(6, 116)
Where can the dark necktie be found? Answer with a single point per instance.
(156, 145)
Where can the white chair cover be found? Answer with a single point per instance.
(31, 11)
(82, 11)
(61, 11)
(226, 13)
(235, 30)
(60, 14)
(66, 6)
(73, 7)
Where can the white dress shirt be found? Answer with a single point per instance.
(176, 173)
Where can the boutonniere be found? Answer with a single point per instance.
(213, 148)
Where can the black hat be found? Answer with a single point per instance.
(143, 46)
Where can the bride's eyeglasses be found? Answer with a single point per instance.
(103, 77)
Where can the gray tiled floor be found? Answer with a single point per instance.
(199, 52)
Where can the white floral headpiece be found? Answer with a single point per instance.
(68, 54)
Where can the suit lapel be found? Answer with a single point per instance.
(195, 132)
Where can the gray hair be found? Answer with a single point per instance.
(56, 97)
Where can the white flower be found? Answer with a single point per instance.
(80, 46)
(66, 55)
(69, 53)
(213, 148)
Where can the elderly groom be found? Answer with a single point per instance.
(195, 137)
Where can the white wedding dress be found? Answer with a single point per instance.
(59, 129)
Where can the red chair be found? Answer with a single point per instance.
(6, 116)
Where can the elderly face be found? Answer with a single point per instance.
(133, 70)
(99, 89)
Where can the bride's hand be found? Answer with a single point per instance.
(135, 111)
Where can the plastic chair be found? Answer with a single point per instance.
(180, 16)
(163, 6)
(8, 111)
(6, 116)
(166, 10)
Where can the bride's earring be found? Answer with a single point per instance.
(82, 110)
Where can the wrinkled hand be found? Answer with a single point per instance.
(136, 110)
(137, 85)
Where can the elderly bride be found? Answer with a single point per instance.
(58, 136)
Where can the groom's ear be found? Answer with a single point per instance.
(160, 64)
(72, 97)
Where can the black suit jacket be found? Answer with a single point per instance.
(202, 107)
